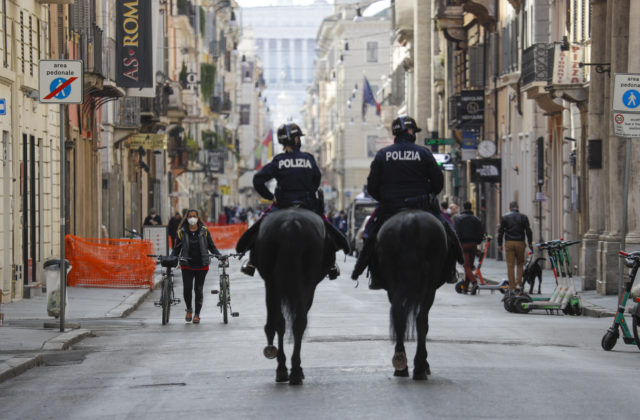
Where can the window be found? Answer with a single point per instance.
(245, 114)
(372, 52)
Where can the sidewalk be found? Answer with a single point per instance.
(594, 304)
(24, 339)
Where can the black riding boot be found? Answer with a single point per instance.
(248, 268)
(363, 261)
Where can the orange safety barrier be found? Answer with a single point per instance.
(226, 236)
(117, 263)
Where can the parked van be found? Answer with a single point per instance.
(356, 215)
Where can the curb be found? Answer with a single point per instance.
(66, 340)
(131, 303)
(19, 364)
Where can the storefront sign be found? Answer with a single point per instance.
(566, 65)
(485, 170)
(148, 141)
(470, 109)
(134, 47)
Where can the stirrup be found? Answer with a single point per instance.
(248, 268)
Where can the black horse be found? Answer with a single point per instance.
(293, 253)
(413, 259)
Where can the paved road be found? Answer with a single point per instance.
(486, 363)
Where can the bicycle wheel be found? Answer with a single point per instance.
(224, 295)
(636, 321)
(166, 300)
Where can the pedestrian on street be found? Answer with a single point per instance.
(470, 232)
(172, 228)
(193, 247)
(453, 211)
(153, 219)
(514, 227)
(445, 213)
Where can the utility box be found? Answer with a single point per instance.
(52, 276)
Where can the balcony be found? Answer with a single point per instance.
(537, 74)
(484, 10)
(537, 64)
(451, 20)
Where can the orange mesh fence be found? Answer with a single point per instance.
(226, 236)
(121, 263)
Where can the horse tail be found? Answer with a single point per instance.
(408, 295)
(288, 267)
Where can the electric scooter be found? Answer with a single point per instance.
(632, 260)
(565, 297)
(510, 297)
(481, 284)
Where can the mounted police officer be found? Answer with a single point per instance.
(298, 178)
(403, 175)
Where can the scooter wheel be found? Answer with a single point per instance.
(518, 304)
(577, 308)
(568, 310)
(610, 338)
(460, 287)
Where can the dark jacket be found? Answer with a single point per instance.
(514, 226)
(403, 170)
(172, 227)
(297, 175)
(148, 219)
(193, 247)
(469, 228)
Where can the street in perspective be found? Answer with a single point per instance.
(319, 209)
(485, 362)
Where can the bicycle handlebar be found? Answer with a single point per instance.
(226, 256)
(634, 255)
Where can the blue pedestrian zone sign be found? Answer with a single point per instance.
(631, 98)
(3, 106)
(626, 93)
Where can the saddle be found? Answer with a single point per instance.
(246, 241)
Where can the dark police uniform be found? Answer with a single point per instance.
(401, 172)
(298, 179)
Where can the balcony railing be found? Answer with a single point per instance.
(537, 64)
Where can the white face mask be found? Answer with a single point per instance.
(192, 220)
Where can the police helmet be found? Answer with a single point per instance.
(403, 124)
(287, 134)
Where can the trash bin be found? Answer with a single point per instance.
(52, 275)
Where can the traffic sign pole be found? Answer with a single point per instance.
(63, 224)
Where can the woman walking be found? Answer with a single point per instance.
(193, 246)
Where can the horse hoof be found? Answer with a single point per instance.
(270, 352)
(420, 375)
(399, 360)
(428, 370)
(296, 377)
(282, 375)
(402, 373)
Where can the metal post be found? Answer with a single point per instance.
(625, 202)
(63, 224)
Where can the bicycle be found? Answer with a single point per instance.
(224, 293)
(167, 296)
(631, 260)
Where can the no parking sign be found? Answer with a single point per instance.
(61, 81)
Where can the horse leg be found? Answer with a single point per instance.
(275, 322)
(282, 375)
(299, 325)
(399, 319)
(420, 364)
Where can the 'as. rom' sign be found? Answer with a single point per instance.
(134, 48)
